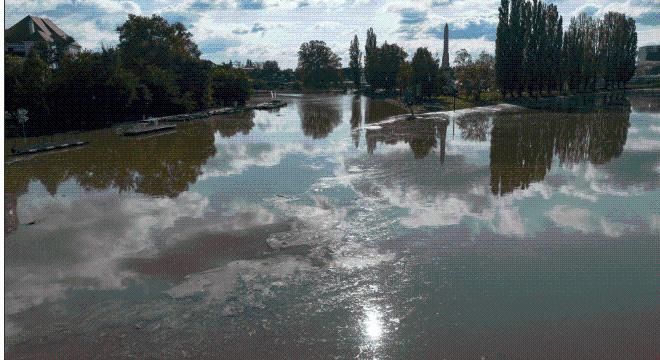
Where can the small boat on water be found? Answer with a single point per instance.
(39, 148)
(143, 129)
(273, 104)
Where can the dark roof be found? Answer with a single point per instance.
(44, 30)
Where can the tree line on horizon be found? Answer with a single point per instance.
(385, 68)
(155, 70)
(533, 54)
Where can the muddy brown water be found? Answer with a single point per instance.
(317, 232)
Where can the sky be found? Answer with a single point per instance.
(274, 29)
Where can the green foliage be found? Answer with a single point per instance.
(385, 62)
(405, 78)
(271, 77)
(230, 86)
(155, 70)
(534, 55)
(318, 66)
(425, 71)
(355, 63)
(145, 41)
(503, 49)
(371, 58)
(475, 77)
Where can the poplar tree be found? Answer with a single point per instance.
(503, 50)
(517, 50)
(371, 58)
(355, 63)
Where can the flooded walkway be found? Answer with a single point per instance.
(322, 231)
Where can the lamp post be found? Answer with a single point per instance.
(21, 116)
(455, 92)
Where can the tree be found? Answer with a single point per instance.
(229, 86)
(388, 61)
(271, 67)
(92, 90)
(517, 46)
(32, 90)
(371, 58)
(318, 66)
(355, 63)
(13, 70)
(534, 54)
(629, 44)
(153, 41)
(503, 50)
(404, 79)
(425, 71)
(477, 76)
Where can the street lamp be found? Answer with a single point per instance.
(456, 83)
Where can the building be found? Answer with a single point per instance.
(648, 61)
(648, 53)
(25, 34)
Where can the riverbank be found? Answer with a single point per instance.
(450, 114)
(574, 102)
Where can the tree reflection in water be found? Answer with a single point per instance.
(376, 111)
(319, 117)
(474, 127)
(356, 120)
(421, 136)
(162, 165)
(523, 145)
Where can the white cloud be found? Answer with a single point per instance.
(575, 218)
(92, 236)
(335, 21)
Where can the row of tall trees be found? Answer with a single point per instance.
(386, 67)
(382, 63)
(533, 54)
(154, 70)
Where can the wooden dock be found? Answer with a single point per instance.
(40, 148)
(148, 129)
(271, 105)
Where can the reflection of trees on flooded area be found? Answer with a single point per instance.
(356, 120)
(376, 111)
(474, 127)
(523, 145)
(645, 102)
(421, 136)
(161, 165)
(238, 123)
(319, 118)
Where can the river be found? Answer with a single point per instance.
(310, 232)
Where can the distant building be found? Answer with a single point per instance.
(445, 50)
(648, 53)
(25, 34)
(648, 61)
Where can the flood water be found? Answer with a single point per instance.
(310, 232)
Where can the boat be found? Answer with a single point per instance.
(47, 147)
(142, 129)
(273, 104)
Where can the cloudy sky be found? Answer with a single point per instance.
(274, 29)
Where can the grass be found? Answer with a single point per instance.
(464, 102)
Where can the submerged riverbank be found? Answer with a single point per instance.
(574, 102)
(323, 231)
